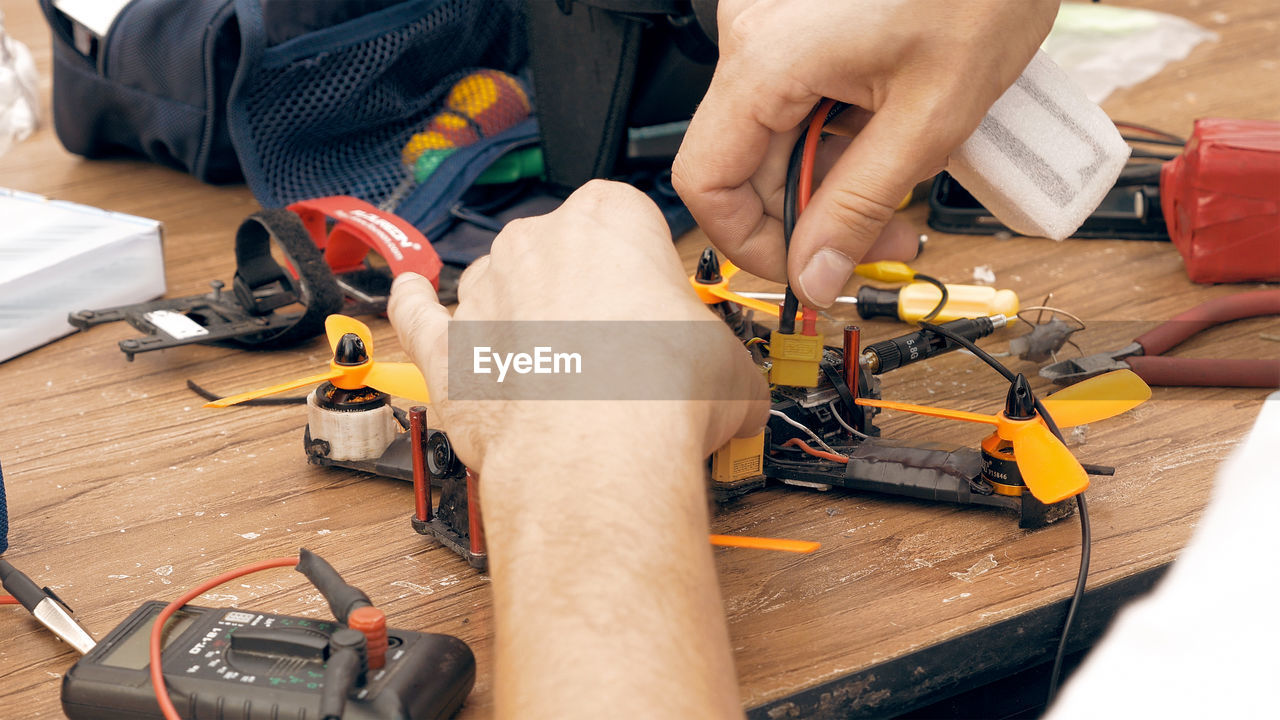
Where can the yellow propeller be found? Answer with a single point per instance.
(1098, 398)
(1048, 468)
(351, 368)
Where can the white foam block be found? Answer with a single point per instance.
(1043, 157)
(60, 257)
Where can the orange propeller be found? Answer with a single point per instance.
(1048, 468)
(352, 367)
(711, 282)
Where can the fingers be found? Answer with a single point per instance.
(857, 198)
(422, 324)
(899, 240)
(723, 149)
(745, 410)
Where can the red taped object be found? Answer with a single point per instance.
(1221, 201)
(360, 227)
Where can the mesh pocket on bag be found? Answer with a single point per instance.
(328, 112)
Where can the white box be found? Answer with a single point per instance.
(60, 257)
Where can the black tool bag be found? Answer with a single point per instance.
(155, 85)
(311, 98)
(611, 75)
(301, 98)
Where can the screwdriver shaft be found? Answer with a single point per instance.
(847, 299)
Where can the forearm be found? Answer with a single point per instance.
(595, 513)
(605, 592)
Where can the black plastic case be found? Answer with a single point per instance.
(1130, 211)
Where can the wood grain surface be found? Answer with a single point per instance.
(122, 488)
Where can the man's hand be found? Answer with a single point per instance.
(595, 512)
(921, 74)
(604, 255)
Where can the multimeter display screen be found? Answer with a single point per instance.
(131, 652)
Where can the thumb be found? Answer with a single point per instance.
(857, 199)
(422, 325)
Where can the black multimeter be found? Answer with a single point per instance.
(230, 664)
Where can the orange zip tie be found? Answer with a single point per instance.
(761, 543)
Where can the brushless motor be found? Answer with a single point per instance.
(349, 424)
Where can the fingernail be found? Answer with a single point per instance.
(825, 275)
(405, 277)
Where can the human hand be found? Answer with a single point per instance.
(921, 75)
(604, 255)
(587, 501)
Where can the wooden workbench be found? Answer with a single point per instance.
(122, 488)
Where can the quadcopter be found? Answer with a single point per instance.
(820, 437)
(1021, 466)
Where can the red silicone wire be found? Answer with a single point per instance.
(804, 189)
(813, 135)
(157, 675)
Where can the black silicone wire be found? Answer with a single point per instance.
(942, 301)
(790, 303)
(1126, 125)
(1086, 537)
(1139, 153)
(263, 401)
(1153, 140)
(1086, 543)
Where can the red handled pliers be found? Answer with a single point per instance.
(1143, 355)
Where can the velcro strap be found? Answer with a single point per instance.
(262, 286)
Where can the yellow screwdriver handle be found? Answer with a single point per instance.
(917, 300)
(890, 271)
(963, 301)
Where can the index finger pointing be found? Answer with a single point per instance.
(422, 324)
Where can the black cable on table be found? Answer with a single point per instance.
(790, 303)
(1153, 140)
(1086, 539)
(1147, 154)
(266, 401)
(942, 301)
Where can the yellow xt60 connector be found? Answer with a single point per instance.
(740, 459)
(795, 359)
